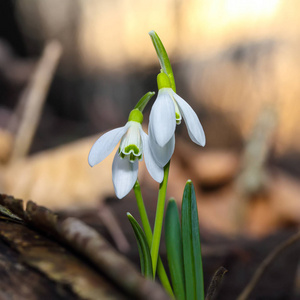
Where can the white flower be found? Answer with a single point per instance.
(134, 145)
(167, 110)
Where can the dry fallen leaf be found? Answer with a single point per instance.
(60, 178)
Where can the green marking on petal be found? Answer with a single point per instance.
(136, 116)
(122, 155)
(178, 118)
(132, 158)
(131, 149)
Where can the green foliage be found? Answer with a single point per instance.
(191, 244)
(144, 251)
(183, 247)
(174, 249)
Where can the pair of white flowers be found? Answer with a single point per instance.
(157, 147)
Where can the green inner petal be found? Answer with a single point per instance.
(132, 157)
(122, 155)
(132, 151)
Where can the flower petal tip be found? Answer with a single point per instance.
(124, 175)
(90, 162)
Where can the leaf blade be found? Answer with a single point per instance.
(191, 245)
(144, 250)
(189, 271)
(196, 247)
(174, 249)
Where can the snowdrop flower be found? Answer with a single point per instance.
(166, 112)
(134, 145)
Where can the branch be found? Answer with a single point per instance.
(33, 99)
(266, 262)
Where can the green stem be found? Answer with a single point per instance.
(159, 217)
(142, 211)
(148, 232)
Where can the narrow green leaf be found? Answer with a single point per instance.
(191, 245)
(187, 241)
(174, 249)
(196, 246)
(144, 251)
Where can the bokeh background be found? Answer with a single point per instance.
(236, 62)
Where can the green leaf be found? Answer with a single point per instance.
(148, 233)
(174, 249)
(191, 245)
(144, 251)
(163, 57)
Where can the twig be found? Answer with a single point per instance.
(215, 283)
(266, 262)
(33, 99)
(109, 220)
(253, 176)
(88, 242)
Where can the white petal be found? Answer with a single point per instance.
(162, 154)
(105, 145)
(192, 122)
(162, 117)
(124, 175)
(154, 170)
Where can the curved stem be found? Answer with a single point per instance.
(148, 232)
(159, 217)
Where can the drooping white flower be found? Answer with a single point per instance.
(134, 145)
(167, 111)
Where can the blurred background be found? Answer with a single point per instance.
(72, 69)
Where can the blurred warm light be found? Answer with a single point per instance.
(112, 35)
(112, 31)
(238, 54)
(243, 8)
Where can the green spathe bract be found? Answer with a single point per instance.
(144, 101)
(163, 57)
